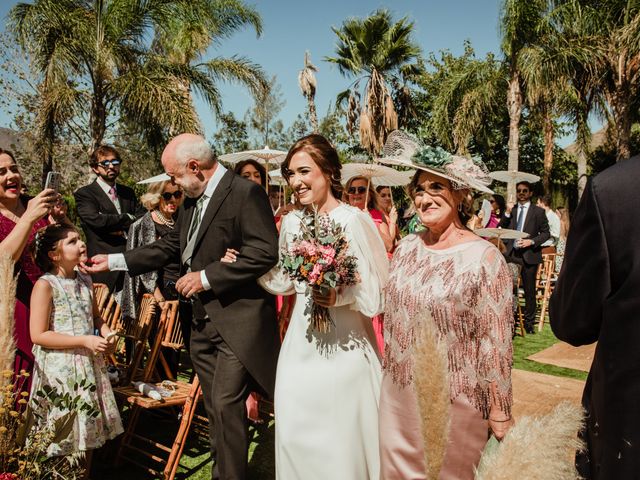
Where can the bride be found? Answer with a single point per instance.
(328, 384)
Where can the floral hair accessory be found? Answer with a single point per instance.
(406, 150)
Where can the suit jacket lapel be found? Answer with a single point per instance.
(528, 220)
(187, 214)
(215, 202)
(103, 199)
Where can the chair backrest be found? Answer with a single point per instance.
(135, 328)
(172, 332)
(101, 294)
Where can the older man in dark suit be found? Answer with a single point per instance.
(106, 209)
(529, 218)
(234, 342)
(597, 298)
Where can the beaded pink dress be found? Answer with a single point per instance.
(466, 289)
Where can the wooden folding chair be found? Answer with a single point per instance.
(185, 395)
(545, 284)
(100, 293)
(135, 333)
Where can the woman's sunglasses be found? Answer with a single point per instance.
(177, 195)
(354, 190)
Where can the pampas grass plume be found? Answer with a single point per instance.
(431, 374)
(7, 307)
(537, 448)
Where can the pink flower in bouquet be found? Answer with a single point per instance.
(315, 273)
(328, 253)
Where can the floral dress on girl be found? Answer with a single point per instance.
(64, 370)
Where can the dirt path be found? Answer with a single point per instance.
(537, 393)
(564, 355)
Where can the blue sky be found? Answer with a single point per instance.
(291, 27)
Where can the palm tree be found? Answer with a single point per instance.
(564, 66)
(95, 55)
(519, 27)
(307, 83)
(378, 53)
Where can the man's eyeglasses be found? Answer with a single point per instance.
(354, 190)
(177, 195)
(522, 190)
(106, 163)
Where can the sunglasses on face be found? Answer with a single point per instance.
(492, 201)
(106, 163)
(354, 190)
(522, 190)
(177, 195)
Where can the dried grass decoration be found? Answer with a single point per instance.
(7, 306)
(536, 448)
(431, 377)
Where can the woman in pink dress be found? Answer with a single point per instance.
(20, 219)
(358, 192)
(447, 275)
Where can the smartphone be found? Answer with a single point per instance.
(53, 181)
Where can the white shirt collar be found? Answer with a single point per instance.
(525, 205)
(104, 185)
(213, 182)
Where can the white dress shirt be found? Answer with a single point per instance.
(554, 228)
(107, 188)
(116, 260)
(524, 213)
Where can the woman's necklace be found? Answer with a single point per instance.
(169, 222)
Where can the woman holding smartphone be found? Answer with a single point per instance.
(20, 219)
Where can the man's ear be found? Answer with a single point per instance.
(193, 166)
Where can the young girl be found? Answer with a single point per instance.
(68, 356)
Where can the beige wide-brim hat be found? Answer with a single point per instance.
(402, 149)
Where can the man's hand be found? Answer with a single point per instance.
(189, 284)
(97, 264)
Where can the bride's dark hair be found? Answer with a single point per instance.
(323, 154)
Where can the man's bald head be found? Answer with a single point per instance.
(188, 146)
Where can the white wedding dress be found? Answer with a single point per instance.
(328, 385)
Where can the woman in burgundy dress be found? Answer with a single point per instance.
(20, 219)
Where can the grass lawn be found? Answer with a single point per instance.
(530, 344)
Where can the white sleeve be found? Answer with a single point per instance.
(276, 280)
(365, 243)
(116, 262)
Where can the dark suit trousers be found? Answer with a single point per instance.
(225, 388)
(528, 276)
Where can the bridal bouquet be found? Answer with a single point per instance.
(319, 256)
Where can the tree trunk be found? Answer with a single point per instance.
(622, 117)
(582, 169)
(548, 151)
(514, 105)
(313, 116)
(98, 118)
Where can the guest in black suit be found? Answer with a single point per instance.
(234, 340)
(527, 217)
(597, 298)
(106, 210)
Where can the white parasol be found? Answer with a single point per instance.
(158, 178)
(380, 175)
(265, 155)
(501, 233)
(514, 176)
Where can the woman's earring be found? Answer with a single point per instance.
(460, 207)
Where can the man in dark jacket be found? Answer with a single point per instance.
(597, 298)
(106, 209)
(529, 218)
(234, 341)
